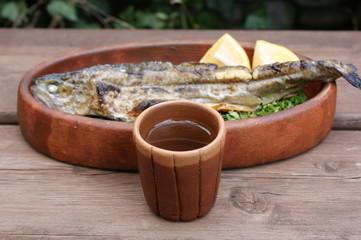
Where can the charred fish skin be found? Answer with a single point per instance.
(270, 82)
(122, 91)
(74, 92)
(305, 70)
(274, 81)
(308, 69)
(157, 73)
(123, 102)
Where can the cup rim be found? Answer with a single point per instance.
(213, 112)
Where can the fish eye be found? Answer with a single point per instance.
(52, 88)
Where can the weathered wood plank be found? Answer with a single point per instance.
(22, 49)
(315, 195)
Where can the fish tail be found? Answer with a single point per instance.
(352, 76)
(347, 71)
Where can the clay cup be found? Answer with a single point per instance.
(180, 184)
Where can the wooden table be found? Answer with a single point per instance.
(315, 195)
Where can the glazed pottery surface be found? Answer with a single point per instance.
(108, 144)
(180, 185)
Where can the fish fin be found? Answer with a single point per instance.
(352, 76)
(347, 71)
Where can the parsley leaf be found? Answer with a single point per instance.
(272, 107)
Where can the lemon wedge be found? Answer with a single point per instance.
(226, 51)
(267, 53)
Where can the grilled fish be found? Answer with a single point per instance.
(123, 91)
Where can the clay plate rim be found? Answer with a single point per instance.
(327, 90)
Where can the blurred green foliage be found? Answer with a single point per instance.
(180, 14)
(156, 14)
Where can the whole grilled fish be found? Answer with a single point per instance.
(123, 91)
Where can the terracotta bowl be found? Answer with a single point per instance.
(108, 144)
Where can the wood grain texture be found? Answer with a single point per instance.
(315, 195)
(22, 49)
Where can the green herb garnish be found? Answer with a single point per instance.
(272, 107)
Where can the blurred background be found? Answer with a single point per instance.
(182, 14)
